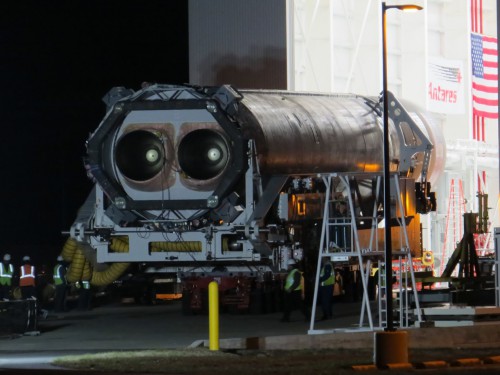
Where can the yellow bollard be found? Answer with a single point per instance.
(213, 315)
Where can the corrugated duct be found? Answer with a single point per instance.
(81, 269)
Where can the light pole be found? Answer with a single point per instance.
(387, 162)
(391, 346)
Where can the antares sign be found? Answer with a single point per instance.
(445, 88)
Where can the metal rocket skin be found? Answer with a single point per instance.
(185, 148)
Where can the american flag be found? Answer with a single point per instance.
(484, 50)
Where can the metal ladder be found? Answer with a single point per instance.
(454, 221)
(401, 299)
(382, 295)
(405, 276)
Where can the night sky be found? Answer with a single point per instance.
(58, 59)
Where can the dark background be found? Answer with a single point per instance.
(57, 60)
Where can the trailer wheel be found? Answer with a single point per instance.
(186, 303)
(256, 302)
(204, 302)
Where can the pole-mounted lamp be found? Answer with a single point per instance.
(387, 179)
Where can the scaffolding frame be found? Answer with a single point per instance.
(364, 258)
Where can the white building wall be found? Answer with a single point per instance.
(337, 47)
(333, 46)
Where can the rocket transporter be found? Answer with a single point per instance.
(216, 179)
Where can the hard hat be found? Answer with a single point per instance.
(290, 262)
(60, 258)
(6, 257)
(26, 258)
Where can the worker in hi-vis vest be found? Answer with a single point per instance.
(6, 273)
(27, 279)
(84, 296)
(326, 281)
(294, 296)
(60, 284)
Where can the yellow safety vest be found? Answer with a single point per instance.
(290, 279)
(6, 274)
(330, 280)
(58, 280)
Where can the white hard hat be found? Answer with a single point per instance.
(290, 262)
(26, 258)
(6, 257)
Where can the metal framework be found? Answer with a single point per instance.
(497, 267)
(346, 229)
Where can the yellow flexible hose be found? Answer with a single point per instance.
(167, 246)
(69, 249)
(81, 269)
(75, 269)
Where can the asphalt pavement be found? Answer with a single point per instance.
(121, 327)
(129, 326)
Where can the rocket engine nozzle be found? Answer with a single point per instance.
(203, 154)
(140, 155)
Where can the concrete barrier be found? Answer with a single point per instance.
(480, 335)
